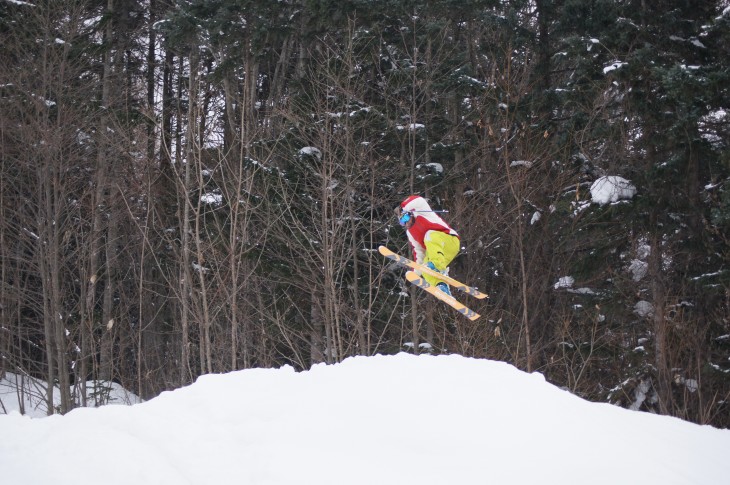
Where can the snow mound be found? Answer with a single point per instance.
(392, 420)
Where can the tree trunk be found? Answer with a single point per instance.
(316, 350)
(663, 384)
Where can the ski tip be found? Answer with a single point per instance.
(468, 313)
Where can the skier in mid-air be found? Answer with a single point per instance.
(435, 244)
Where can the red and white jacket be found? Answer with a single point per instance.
(425, 221)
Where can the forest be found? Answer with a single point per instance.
(200, 186)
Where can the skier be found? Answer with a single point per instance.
(435, 244)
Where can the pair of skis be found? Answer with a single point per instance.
(419, 281)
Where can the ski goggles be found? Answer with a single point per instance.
(404, 218)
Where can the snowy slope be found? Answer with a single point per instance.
(369, 420)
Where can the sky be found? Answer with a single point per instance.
(400, 419)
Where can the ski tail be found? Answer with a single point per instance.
(448, 299)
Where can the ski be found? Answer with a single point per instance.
(448, 299)
(469, 290)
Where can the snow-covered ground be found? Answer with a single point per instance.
(27, 395)
(369, 420)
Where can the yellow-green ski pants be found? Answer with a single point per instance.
(441, 249)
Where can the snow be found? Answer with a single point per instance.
(564, 282)
(708, 127)
(398, 420)
(644, 309)
(641, 394)
(211, 198)
(311, 151)
(410, 127)
(434, 167)
(613, 66)
(32, 396)
(360, 110)
(582, 291)
(638, 269)
(198, 268)
(611, 188)
(536, 216)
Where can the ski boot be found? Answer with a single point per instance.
(444, 287)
